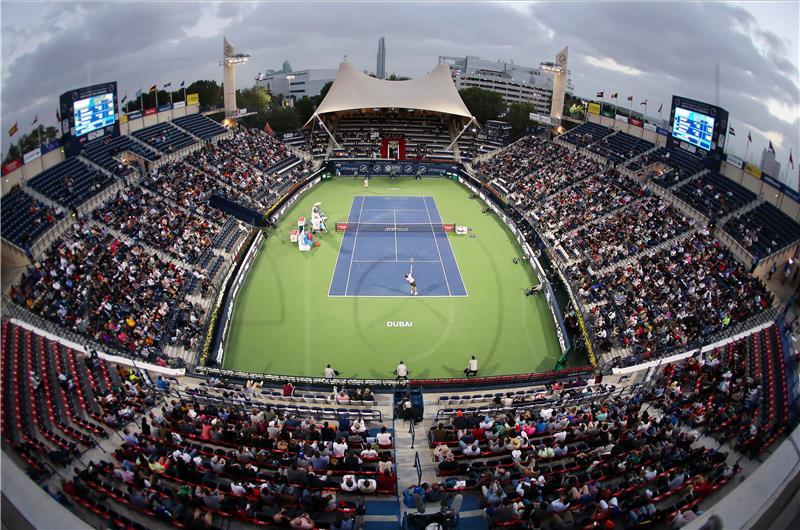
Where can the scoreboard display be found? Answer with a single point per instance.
(87, 114)
(694, 128)
(92, 113)
(698, 128)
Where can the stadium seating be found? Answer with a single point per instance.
(200, 126)
(586, 134)
(164, 137)
(714, 195)
(24, 218)
(621, 147)
(682, 165)
(104, 150)
(70, 183)
(763, 230)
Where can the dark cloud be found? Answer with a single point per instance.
(675, 45)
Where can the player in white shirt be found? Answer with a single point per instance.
(329, 372)
(366, 183)
(472, 367)
(410, 278)
(401, 371)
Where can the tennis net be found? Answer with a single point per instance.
(395, 227)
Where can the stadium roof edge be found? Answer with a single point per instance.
(354, 90)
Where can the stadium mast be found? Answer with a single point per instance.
(230, 59)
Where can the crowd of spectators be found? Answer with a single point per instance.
(644, 224)
(579, 457)
(672, 297)
(151, 220)
(255, 147)
(189, 187)
(109, 289)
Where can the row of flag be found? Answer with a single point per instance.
(770, 147)
(153, 89)
(615, 95)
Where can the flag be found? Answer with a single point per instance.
(153, 88)
(600, 94)
(731, 131)
(168, 85)
(749, 138)
(643, 103)
(791, 160)
(13, 130)
(268, 129)
(614, 95)
(183, 83)
(124, 99)
(630, 98)
(35, 120)
(660, 107)
(58, 116)
(771, 149)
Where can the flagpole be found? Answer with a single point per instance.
(171, 113)
(630, 115)
(746, 149)
(644, 118)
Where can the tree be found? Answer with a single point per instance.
(573, 107)
(283, 119)
(518, 117)
(483, 104)
(324, 92)
(304, 107)
(29, 142)
(255, 99)
(210, 93)
(395, 77)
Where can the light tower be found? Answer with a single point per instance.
(559, 69)
(230, 59)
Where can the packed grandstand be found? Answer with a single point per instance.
(673, 278)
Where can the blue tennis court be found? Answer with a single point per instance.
(382, 236)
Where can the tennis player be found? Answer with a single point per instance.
(410, 279)
(366, 183)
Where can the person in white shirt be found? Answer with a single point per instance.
(329, 372)
(339, 448)
(401, 371)
(410, 278)
(367, 485)
(384, 438)
(349, 483)
(366, 183)
(472, 367)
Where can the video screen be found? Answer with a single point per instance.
(693, 128)
(93, 113)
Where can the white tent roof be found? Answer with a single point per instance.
(352, 90)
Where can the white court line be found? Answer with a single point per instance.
(395, 261)
(396, 296)
(436, 242)
(349, 269)
(395, 209)
(330, 286)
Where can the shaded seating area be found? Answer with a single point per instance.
(714, 195)
(586, 134)
(200, 126)
(763, 230)
(621, 147)
(104, 153)
(164, 137)
(70, 183)
(24, 218)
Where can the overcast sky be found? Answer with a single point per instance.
(646, 50)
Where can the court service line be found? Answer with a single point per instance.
(436, 242)
(350, 268)
(395, 261)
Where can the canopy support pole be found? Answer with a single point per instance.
(450, 147)
(329, 133)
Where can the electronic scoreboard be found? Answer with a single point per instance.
(698, 128)
(88, 113)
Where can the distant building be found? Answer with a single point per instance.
(297, 84)
(769, 165)
(517, 84)
(380, 68)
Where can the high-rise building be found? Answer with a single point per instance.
(380, 68)
(769, 165)
(296, 84)
(517, 84)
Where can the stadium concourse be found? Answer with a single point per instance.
(680, 283)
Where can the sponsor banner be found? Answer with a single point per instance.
(662, 131)
(650, 127)
(50, 146)
(12, 166)
(620, 117)
(149, 112)
(753, 170)
(192, 99)
(166, 106)
(635, 122)
(448, 227)
(607, 112)
(136, 114)
(241, 112)
(735, 161)
(178, 104)
(123, 118)
(30, 156)
(540, 118)
(594, 108)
